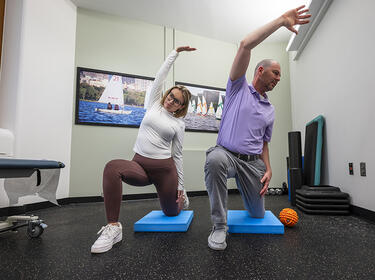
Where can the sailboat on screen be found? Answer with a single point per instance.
(199, 106)
(113, 96)
(193, 106)
(190, 108)
(204, 106)
(219, 110)
(211, 110)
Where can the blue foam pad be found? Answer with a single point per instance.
(156, 221)
(239, 221)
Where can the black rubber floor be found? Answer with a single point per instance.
(318, 247)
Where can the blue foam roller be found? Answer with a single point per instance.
(156, 221)
(239, 221)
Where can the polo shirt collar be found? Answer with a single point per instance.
(257, 94)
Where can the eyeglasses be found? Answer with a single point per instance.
(173, 99)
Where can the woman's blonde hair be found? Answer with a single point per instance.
(185, 94)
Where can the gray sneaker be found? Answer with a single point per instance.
(217, 238)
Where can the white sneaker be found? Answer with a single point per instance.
(186, 200)
(217, 238)
(110, 235)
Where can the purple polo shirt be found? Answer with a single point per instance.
(247, 120)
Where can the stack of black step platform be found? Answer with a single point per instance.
(306, 192)
(325, 200)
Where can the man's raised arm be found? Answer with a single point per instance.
(288, 19)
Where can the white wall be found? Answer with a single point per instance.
(114, 44)
(37, 82)
(10, 63)
(333, 77)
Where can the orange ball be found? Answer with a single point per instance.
(288, 217)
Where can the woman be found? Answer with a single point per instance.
(157, 159)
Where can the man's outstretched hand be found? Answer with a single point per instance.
(296, 16)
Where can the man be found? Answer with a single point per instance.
(246, 128)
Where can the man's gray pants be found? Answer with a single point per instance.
(221, 165)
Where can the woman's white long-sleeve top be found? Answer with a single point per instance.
(161, 134)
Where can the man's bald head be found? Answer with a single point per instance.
(264, 63)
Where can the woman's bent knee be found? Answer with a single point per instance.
(111, 165)
(171, 212)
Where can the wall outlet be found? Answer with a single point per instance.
(362, 168)
(351, 170)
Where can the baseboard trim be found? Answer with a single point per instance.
(17, 210)
(363, 213)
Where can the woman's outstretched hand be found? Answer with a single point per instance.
(185, 48)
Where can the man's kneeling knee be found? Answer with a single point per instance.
(257, 215)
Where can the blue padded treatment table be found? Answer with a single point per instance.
(156, 221)
(21, 168)
(239, 221)
(313, 151)
(15, 168)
